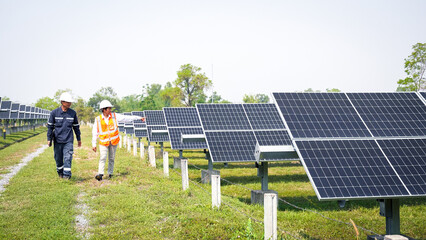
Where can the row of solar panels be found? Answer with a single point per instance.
(11, 110)
(352, 145)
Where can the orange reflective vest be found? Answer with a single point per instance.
(108, 132)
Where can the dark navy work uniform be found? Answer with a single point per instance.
(62, 124)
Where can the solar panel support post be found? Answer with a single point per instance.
(262, 172)
(161, 146)
(142, 149)
(166, 164)
(389, 208)
(120, 143)
(180, 154)
(135, 148)
(216, 198)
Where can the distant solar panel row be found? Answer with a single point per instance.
(155, 121)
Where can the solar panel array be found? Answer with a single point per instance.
(423, 94)
(155, 121)
(359, 145)
(183, 121)
(233, 130)
(11, 110)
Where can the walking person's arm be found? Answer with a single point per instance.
(50, 127)
(94, 134)
(76, 127)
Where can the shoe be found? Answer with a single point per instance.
(99, 177)
(60, 175)
(110, 176)
(66, 177)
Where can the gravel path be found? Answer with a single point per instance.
(15, 169)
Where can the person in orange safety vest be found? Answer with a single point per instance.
(105, 129)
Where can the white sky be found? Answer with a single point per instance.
(248, 47)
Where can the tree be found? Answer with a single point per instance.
(332, 90)
(131, 103)
(415, 66)
(105, 93)
(258, 98)
(216, 98)
(47, 103)
(310, 90)
(193, 84)
(171, 96)
(151, 99)
(84, 112)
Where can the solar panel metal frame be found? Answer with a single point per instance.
(14, 111)
(155, 120)
(22, 111)
(28, 112)
(219, 138)
(5, 109)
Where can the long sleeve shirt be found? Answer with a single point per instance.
(63, 123)
(120, 118)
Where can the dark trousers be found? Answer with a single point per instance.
(63, 157)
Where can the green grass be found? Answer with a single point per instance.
(140, 203)
(19, 136)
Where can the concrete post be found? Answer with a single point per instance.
(216, 197)
(184, 171)
(270, 215)
(142, 150)
(151, 156)
(129, 144)
(120, 143)
(124, 140)
(135, 148)
(166, 163)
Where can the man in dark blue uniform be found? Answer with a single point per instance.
(60, 126)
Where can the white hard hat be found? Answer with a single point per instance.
(105, 104)
(66, 97)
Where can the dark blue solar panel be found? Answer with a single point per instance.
(138, 113)
(155, 117)
(182, 117)
(157, 137)
(223, 117)
(127, 113)
(391, 114)
(176, 138)
(264, 116)
(423, 95)
(129, 128)
(6, 105)
(408, 157)
(141, 133)
(121, 128)
(320, 115)
(139, 124)
(349, 169)
(231, 146)
(273, 138)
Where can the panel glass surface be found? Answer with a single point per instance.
(273, 138)
(264, 116)
(320, 115)
(231, 146)
(129, 128)
(155, 117)
(349, 169)
(139, 124)
(157, 137)
(423, 95)
(391, 114)
(138, 113)
(223, 117)
(176, 138)
(6, 105)
(182, 117)
(408, 157)
(141, 133)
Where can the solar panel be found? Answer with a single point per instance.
(163, 137)
(155, 117)
(320, 115)
(121, 127)
(175, 134)
(231, 146)
(140, 128)
(14, 111)
(127, 113)
(349, 169)
(391, 114)
(182, 117)
(223, 117)
(263, 116)
(408, 157)
(22, 111)
(27, 112)
(233, 130)
(128, 128)
(138, 113)
(5, 109)
(141, 133)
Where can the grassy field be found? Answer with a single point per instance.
(140, 203)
